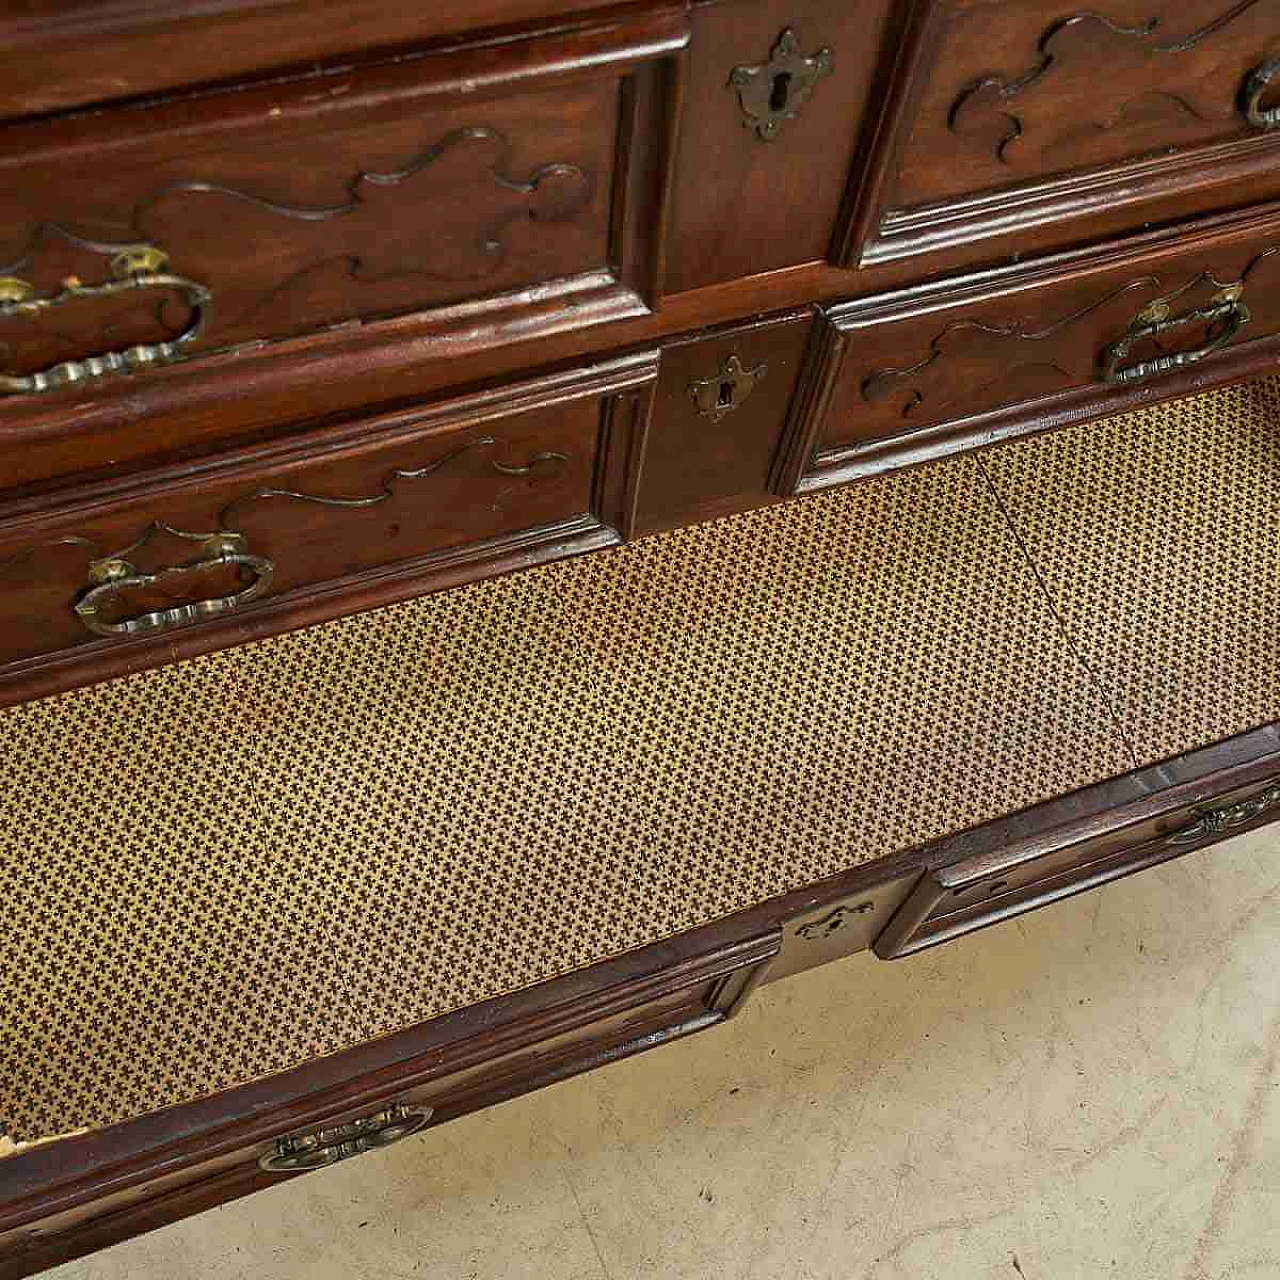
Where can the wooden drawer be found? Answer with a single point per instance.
(838, 928)
(952, 901)
(719, 411)
(923, 373)
(1037, 122)
(342, 519)
(463, 186)
(383, 1104)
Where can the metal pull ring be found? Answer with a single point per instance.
(1216, 822)
(1228, 315)
(341, 1142)
(1256, 84)
(142, 268)
(113, 576)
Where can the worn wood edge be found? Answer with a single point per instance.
(78, 1170)
(1147, 180)
(400, 42)
(41, 1182)
(907, 55)
(1032, 417)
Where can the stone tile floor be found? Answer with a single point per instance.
(1092, 1091)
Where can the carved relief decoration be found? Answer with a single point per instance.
(1031, 111)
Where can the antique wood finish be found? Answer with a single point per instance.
(760, 192)
(929, 371)
(1000, 884)
(84, 1193)
(459, 178)
(371, 511)
(1032, 124)
(719, 410)
(74, 53)
(838, 928)
(106, 1186)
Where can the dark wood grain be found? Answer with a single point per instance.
(413, 187)
(74, 53)
(374, 510)
(698, 465)
(951, 361)
(1036, 125)
(744, 205)
(205, 1143)
(505, 1051)
(1000, 884)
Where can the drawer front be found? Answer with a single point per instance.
(839, 928)
(451, 185)
(772, 130)
(919, 375)
(719, 411)
(969, 895)
(629, 1019)
(391, 506)
(1032, 112)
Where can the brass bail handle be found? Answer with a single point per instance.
(141, 267)
(1227, 314)
(112, 576)
(324, 1147)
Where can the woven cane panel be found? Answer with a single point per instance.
(1157, 535)
(151, 947)
(414, 809)
(513, 781)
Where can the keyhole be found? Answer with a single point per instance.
(781, 91)
(725, 399)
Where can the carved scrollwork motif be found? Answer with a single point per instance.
(401, 240)
(111, 574)
(1121, 85)
(971, 358)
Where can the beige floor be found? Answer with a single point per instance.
(1090, 1092)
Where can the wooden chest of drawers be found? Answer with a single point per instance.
(313, 307)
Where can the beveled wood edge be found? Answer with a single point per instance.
(1076, 407)
(907, 56)
(909, 931)
(970, 220)
(51, 1179)
(469, 59)
(627, 380)
(276, 387)
(78, 1170)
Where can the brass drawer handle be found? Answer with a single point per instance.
(114, 575)
(143, 267)
(1227, 313)
(341, 1142)
(1215, 822)
(1256, 84)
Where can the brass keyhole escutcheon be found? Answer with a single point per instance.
(727, 390)
(773, 92)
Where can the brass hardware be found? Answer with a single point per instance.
(340, 1142)
(135, 267)
(824, 928)
(1256, 84)
(727, 390)
(14, 290)
(775, 91)
(1215, 822)
(113, 574)
(1227, 314)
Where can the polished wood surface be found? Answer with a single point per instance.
(502, 281)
